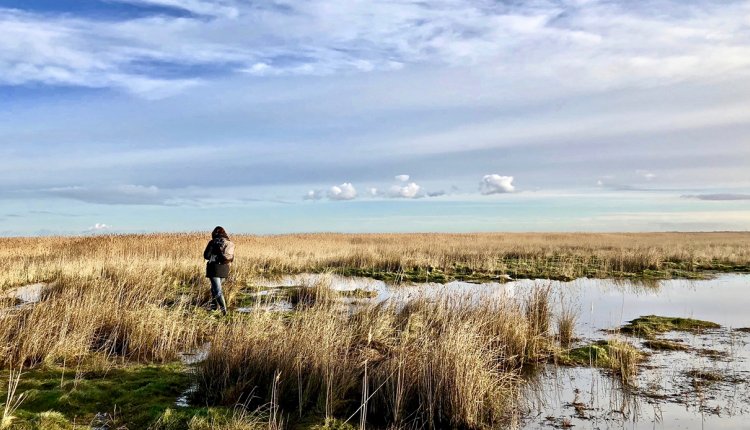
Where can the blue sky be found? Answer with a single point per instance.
(332, 115)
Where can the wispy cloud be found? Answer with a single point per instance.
(717, 197)
(114, 195)
(602, 43)
(223, 9)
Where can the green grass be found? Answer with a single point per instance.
(665, 345)
(134, 395)
(561, 268)
(620, 357)
(651, 325)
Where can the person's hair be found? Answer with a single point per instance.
(219, 232)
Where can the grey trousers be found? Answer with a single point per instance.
(217, 296)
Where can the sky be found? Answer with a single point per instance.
(269, 117)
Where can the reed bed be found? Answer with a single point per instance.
(441, 363)
(80, 317)
(178, 257)
(447, 363)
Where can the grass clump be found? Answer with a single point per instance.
(566, 322)
(620, 357)
(665, 345)
(236, 418)
(444, 363)
(652, 325)
(706, 376)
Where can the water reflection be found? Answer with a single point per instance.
(705, 386)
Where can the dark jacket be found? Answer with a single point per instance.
(219, 253)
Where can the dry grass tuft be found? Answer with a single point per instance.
(441, 363)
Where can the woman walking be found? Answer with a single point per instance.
(219, 253)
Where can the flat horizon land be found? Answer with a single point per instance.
(114, 331)
(394, 257)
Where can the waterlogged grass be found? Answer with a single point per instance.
(555, 267)
(133, 396)
(620, 357)
(651, 325)
(603, 353)
(665, 345)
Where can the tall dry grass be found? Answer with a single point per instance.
(445, 363)
(449, 362)
(110, 316)
(178, 257)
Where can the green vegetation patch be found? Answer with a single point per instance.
(359, 293)
(133, 396)
(665, 345)
(608, 354)
(705, 375)
(650, 325)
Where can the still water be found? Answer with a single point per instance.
(665, 395)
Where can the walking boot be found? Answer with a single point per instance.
(222, 304)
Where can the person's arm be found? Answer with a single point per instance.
(207, 252)
(228, 254)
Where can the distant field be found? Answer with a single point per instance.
(434, 257)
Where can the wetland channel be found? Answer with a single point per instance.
(704, 383)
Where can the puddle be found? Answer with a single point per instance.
(194, 357)
(601, 303)
(25, 294)
(666, 394)
(190, 359)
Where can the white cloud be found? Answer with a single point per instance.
(408, 191)
(647, 175)
(314, 195)
(496, 184)
(99, 227)
(345, 191)
(198, 7)
(402, 178)
(373, 192)
(604, 44)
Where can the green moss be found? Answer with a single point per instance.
(651, 325)
(320, 423)
(609, 354)
(359, 293)
(134, 395)
(665, 345)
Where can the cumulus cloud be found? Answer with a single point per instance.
(717, 197)
(345, 191)
(496, 184)
(99, 227)
(373, 192)
(408, 191)
(402, 178)
(314, 195)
